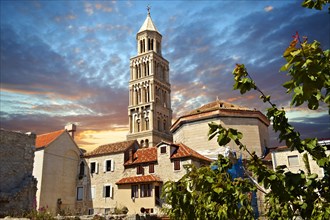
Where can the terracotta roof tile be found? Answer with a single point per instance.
(184, 151)
(218, 109)
(44, 140)
(217, 105)
(144, 155)
(111, 148)
(139, 179)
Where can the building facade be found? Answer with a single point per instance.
(56, 167)
(294, 160)
(192, 128)
(149, 108)
(125, 175)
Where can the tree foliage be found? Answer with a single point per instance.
(206, 193)
(295, 194)
(209, 193)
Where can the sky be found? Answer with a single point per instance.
(68, 61)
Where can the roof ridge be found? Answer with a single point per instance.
(51, 132)
(127, 141)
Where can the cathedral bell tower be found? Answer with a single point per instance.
(149, 108)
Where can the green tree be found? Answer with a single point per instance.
(211, 194)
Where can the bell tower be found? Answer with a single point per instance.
(149, 108)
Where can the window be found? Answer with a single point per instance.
(151, 168)
(177, 165)
(139, 170)
(293, 160)
(163, 150)
(94, 167)
(81, 169)
(107, 191)
(134, 191)
(108, 165)
(145, 190)
(80, 193)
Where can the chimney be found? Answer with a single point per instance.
(71, 129)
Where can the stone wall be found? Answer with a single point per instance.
(195, 135)
(17, 186)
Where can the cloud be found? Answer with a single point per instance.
(269, 8)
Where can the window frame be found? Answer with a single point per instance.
(80, 193)
(96, 167)
(177, 165)
(163, 149)
(293, 164)
(139, 170)
(105, 187)
(151, 168)
(145, 190)
(134, 191)
(111, 167)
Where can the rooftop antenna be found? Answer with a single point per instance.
(148, 8)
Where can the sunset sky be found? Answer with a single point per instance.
(68, 61)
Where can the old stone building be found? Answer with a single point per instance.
(149, 108)
(192, 128)
(125, 175)
(17, 184)
(56, 167)
(294, 160)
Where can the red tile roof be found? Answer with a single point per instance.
(218, 109)
(44, 140)
(144, 155)
(184, 151)
(139, 179)
(111, 148)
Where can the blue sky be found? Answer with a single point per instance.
(68, 61)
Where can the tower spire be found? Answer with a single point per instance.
(148, 9)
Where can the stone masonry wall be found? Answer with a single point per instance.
(17, 186)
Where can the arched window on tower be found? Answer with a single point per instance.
(140, 96)
(144, 45)
(147, 124)
(164, 99)
(136, 96)
(164, 125)
(146, 143)
(142, 143)
(138, 125)
(148, 94)
(140, 46)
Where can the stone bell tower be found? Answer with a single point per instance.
(149, 108)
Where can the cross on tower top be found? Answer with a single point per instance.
(148, 8)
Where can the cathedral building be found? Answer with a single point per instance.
(131, 173)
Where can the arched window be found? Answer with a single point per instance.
(81, 169)
(147, 123)
(138, 125)
(164, 125)
(147, 143)
(142, 143)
